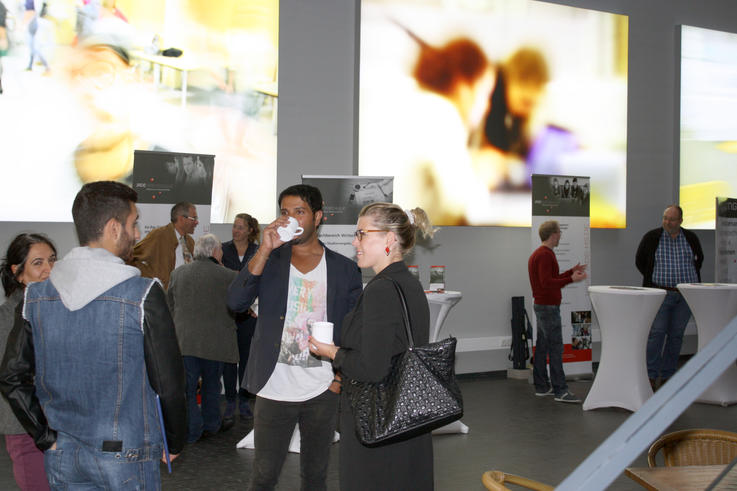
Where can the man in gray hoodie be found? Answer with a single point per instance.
(92, 364)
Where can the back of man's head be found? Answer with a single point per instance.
(309, 194)
(547, 229)
(96, 203)
(181, 209)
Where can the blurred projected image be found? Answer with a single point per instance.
(708, 127)
(463, 101)
(85, 83)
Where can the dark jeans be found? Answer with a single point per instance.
(233, 370)
(549, 344)
(207, 418)
(273, 425)
(666, 336)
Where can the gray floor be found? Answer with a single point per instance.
(511, 430)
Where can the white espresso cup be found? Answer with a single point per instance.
(323, 331)
(290, 231)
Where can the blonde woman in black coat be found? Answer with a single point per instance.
(372, 334)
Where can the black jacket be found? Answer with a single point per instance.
(645, 257)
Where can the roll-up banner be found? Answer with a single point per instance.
(163, 179)
(566, 199)
(343, 198)
(726, 241)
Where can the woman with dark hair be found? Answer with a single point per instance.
(236, 254)
(373, 333)
(29, 258)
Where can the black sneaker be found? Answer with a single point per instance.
(568, 397)
(544, 393)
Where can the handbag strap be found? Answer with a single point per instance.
(405, 315)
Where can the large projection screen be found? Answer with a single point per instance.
(708, 163)
(104, 91)
(463, 101)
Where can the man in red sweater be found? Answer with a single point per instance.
(546, 282)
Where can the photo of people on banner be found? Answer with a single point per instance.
(581, 324)
(167, 177)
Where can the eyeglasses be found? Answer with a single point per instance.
(360, 234)
(194, 219)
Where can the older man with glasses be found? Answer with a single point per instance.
(168, 247)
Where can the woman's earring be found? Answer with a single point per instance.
(387, 250)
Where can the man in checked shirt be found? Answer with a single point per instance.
(667, 256)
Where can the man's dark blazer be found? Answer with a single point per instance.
(271, 287)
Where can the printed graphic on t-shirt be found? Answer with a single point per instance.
(307, 305)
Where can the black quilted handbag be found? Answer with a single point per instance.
(419, 394)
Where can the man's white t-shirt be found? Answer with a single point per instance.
(299, 375)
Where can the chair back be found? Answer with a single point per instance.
(694, 447)
(494, 481)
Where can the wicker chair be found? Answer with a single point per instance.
(694, 447)
(494, 480)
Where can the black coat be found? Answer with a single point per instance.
(372, 334)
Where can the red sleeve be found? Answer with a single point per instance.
(547, 275)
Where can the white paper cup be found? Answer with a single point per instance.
(323, 331)
(290, 231)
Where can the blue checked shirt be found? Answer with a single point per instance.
(674, 261)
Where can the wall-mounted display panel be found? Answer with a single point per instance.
(84, 85)
(708, 157)
(462, 101)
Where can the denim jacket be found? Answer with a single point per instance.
(96, 369)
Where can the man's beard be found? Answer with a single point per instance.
(125, 246)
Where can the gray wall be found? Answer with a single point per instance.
(318, 87)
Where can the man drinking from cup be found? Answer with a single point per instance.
(298, 282)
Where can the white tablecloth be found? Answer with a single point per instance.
(713, 305)
(625, 315)
(440, 305)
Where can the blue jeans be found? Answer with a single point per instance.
(273, 425)
(208, 418)
(74, 465)
(668, 327)
(549, 344)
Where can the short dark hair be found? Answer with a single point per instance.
(16, 255)
(181, 209)
(96, 203)
(309, 194)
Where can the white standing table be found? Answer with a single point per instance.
(440, 305)
(713, 305)
(625, 315)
